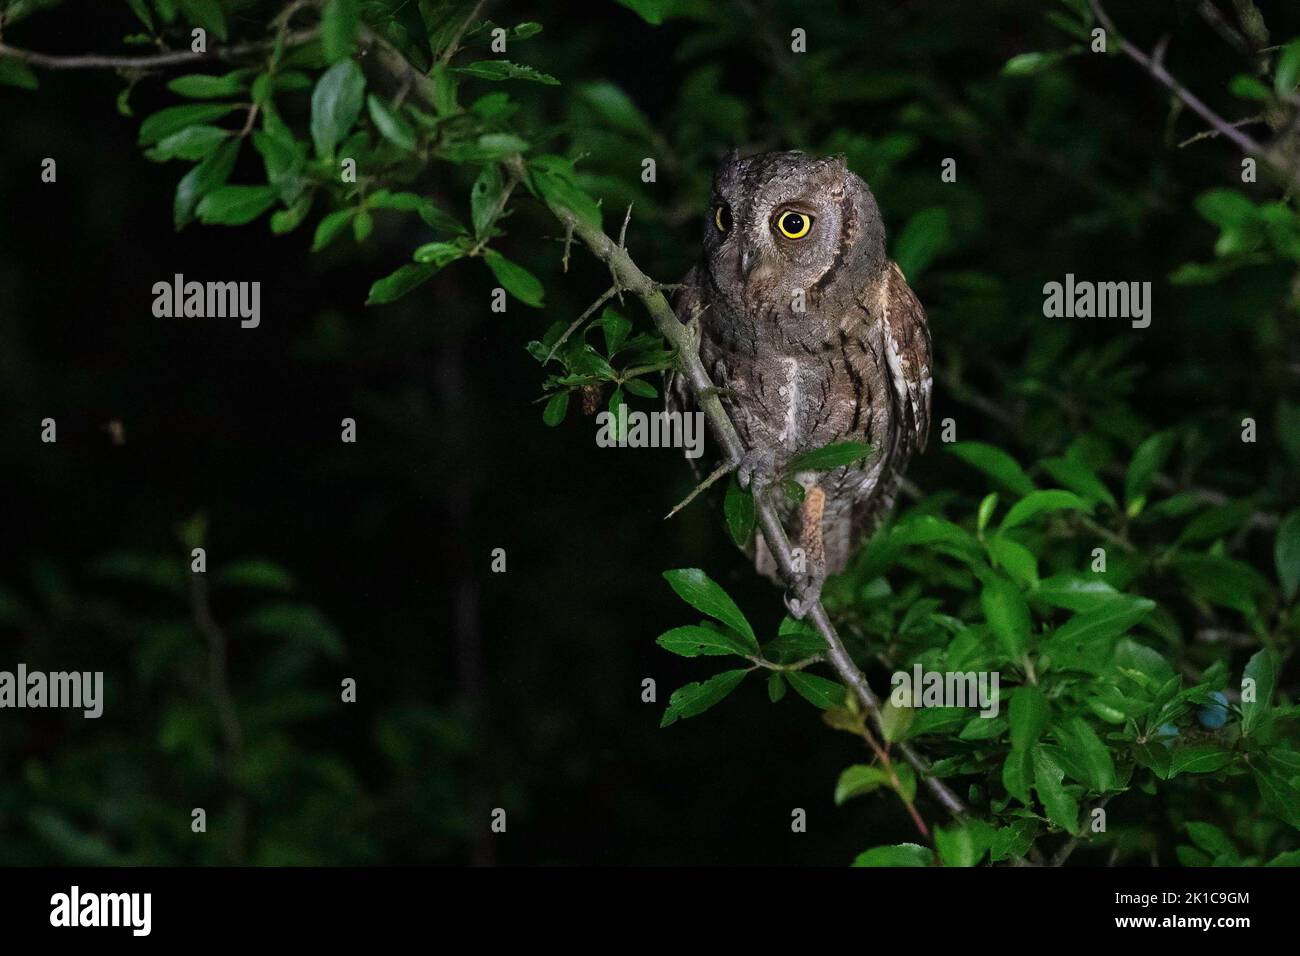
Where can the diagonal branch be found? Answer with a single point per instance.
(1154, 64)
(627, 275)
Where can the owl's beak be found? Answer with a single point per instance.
(748, 260)
(755, 266)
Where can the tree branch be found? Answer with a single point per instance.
(152, 61)
(1154, 65)
(687, 362)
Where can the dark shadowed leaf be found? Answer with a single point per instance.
(696, 698)
(818, 691)
(515, 279)
(335, 105)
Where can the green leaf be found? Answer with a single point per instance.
(553, 180)
(1262, 668)
(338, 27)
(1074, 592)
(505, 70)
(858, 780)
(818, 691)
(1062, 809)
(1079, 478)
(192, 143)
(1027, 64)
(362, 225)
(141, 9)
(829, 456)
(399, 283)
(1202, 758)
(1008, 616)
(1217, 521)
(1286, 554)
(439, 253)
(895, 722)
(906, 781)
(1029, 714)
(1147, 462)
(206, 14)
(390, 124)
(1249, 88)
(616, 109)
(695, 698)
(700, 591)
(331, 227)
(902, 854)
(963, 845)
(202, 179)
(1088, 753)
(15, 72)
(924, 236)
(1018, 560)
(300, 623)
(485, 197)
(741, 514)
(698, 641)
(1100, 623)
(1210, 839)
(1017, 775)
(1038, 502)
(335, 105)
(1222, 581)
(204, 86)
(256, 573)
(235, 205)
(173, 119)
(986, 509)
(556, 409)
(775, 687)
(996, 463)
(1280, 796)
(515, 279)
(1287, 74)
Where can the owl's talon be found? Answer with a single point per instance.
(803, 594)
(757, 469)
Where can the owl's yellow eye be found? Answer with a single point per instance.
(793, 225)
(722, 218)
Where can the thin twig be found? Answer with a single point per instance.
(153, 61)
(453, 45)
(573, 326)
(224, 701)
(1211, 133)
(1153, 65)
(723, 469)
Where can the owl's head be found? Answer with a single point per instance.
(782, 222)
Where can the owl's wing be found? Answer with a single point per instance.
(907, 349)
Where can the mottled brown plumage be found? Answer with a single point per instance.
(853, 365)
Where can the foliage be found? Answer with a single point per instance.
(1101, 536)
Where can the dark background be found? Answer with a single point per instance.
(519, 690)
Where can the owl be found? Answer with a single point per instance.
(812, 336)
